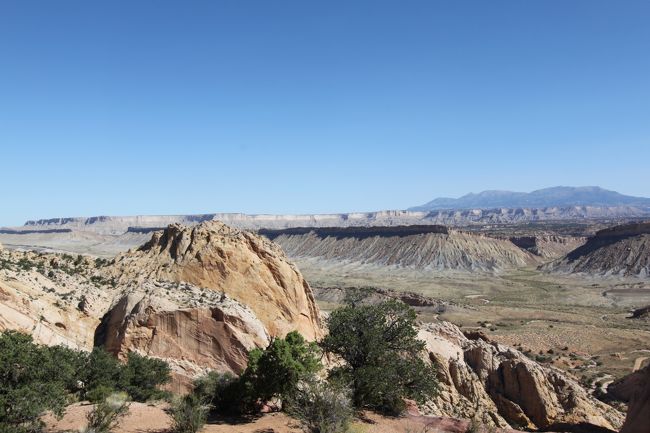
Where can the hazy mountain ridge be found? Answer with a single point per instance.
(559, 196)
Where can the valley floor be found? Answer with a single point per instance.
(579, 324)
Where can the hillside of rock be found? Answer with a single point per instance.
(435, 248)
(200, 298)
(503, 386)
(621, 250)
(245, 267)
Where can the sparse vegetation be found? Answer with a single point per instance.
(107, 414)
(321, 407)
(189, 413)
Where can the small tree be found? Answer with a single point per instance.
(276, 370)
(272, 372)
(382, 355)
(142, 376)
(102, 375)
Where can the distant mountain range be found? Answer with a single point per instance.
(559, 196)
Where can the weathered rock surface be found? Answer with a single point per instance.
(194, 332)
(502, 386)
(634, 389)
(621, 250)
(244, 266)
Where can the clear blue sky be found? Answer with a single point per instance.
(160, 107)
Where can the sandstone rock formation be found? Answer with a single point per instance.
(41, 293)
(634, 389)
(621, 250)
(195, 330)
(245, 267)
(429, 250)
(502, 386)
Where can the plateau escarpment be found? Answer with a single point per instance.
(418, 247)
(621, 250)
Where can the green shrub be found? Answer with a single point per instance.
(320, 407)
(271, 373)
(276, 370)
(102, 375)
(189, 413)
(382, 355)
(31, 382)
(36, 378)
(107, 413)
(141, 377)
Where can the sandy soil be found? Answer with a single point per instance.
(144, 418)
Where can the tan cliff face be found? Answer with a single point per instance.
(245, 267)
(501, 386)
(200, 330)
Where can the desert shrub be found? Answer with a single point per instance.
(212, 387)
(276, 370)
(35, 378)
(273, 372)
(107, 414)
(31, 382)
(381, 354)
(320, 407)
(189, 413)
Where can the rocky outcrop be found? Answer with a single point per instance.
(501, 386)
(437, 250)
(196, 332)
(245, 267)
(634, 389)
(620, 250)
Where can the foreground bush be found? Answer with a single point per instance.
(140, 377)
(189, 413)
(320, 407)
(31, 382)
(107, 414)
(36, 378)
(382, 355)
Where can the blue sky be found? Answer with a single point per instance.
(160, 107)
